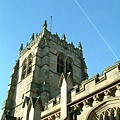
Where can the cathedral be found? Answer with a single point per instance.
(49, 81)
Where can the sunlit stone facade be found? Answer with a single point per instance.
(50, 82)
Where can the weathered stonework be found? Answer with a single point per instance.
(44, 86)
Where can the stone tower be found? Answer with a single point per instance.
(37, 71)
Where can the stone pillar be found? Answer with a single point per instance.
(63, 99)
(65, 85)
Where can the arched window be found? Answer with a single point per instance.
(27, 66)
(69, 67)
(24, 69)
(29, 69)
(107, 110)
(113, 114)
(101, 117)
(118, 113)
(60, 63)
(107, 115)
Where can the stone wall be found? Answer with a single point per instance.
(90, 99)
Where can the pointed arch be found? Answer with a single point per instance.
(24, 68)
(30, 60)
(107, 115)
(69, 65)
(107, 108)
(113, 113)
(27, 66)
(118, 113)
(101, 117)
(60, 63)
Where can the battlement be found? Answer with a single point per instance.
(48, 36)
(97, 82)
(53, 102)
(91, 86)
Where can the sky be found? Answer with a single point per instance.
(19, 19)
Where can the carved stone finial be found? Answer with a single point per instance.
(63, 37)
(36, 34)
(27, 44)
(71, 43)
(56, 34)
(21, 47)
(45, 24)
(79, 46)
(32, 37)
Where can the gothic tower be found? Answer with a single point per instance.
(35, 76)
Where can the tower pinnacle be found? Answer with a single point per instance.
(21, 47)
(45, 24)
(63, 37)
(79, 46)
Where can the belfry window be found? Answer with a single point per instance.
(60, 63)
(29, 69)
(24, 69)
(69, 65)
(27, 66)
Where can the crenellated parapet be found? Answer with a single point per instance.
(53, 102)
(97, 82)
(49, 37)
(50, 82)
(33, 40)
(91, 93)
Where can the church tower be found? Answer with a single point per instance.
(37, 71)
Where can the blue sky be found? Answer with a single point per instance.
(19, 19)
